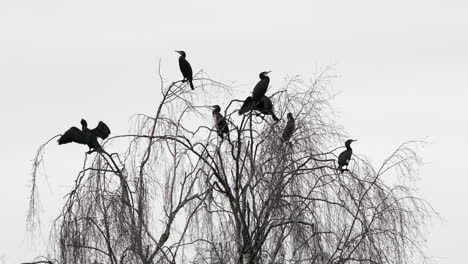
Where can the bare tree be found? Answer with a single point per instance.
(179, 193)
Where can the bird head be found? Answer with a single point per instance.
(263, 74)
(181, 52)
(84, 124)
(289, 115)
(349, 141)
(216, 108)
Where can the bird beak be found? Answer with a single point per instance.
(267, 72)
(354, 140)
(177, 51)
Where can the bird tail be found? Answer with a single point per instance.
(274, 116)
(191, 84)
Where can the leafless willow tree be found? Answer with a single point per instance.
(180, 194)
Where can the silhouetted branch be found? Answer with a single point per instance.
(179, 193)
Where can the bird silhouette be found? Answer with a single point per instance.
(264, 106)
(185, 68)
(220, 122)
(86, 136)
(345, 156)
(260, 89)
(289, 129)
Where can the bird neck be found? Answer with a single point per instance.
(349, 148)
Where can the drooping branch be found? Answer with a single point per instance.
(179, 193)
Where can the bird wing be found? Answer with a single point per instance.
(344, 157)
(260, 89)
(73, 135)
(265, 104)
(102, 130)
(185, 68)
(246, 106)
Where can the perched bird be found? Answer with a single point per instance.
(247, 106)
(268, 108)
(264, 106)
(185, 68)
(289, 129)
(220, 122)
(261, 87)
(86, 136)
(345, 156)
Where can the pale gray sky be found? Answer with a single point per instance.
(402, 71)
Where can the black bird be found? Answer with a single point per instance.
(261, 87)
(345, 156)
(220, 122)
(289, 129)
(86, 136)
(247, 106)
(185, 68)
(264, 106)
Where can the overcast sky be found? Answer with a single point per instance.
(402, 70)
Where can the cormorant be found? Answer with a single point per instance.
(185, 68)
(289, 129)
(220, 122)
(345, 156)
(246, 106)
(86, 136)
(261, 87)
(264, 106)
